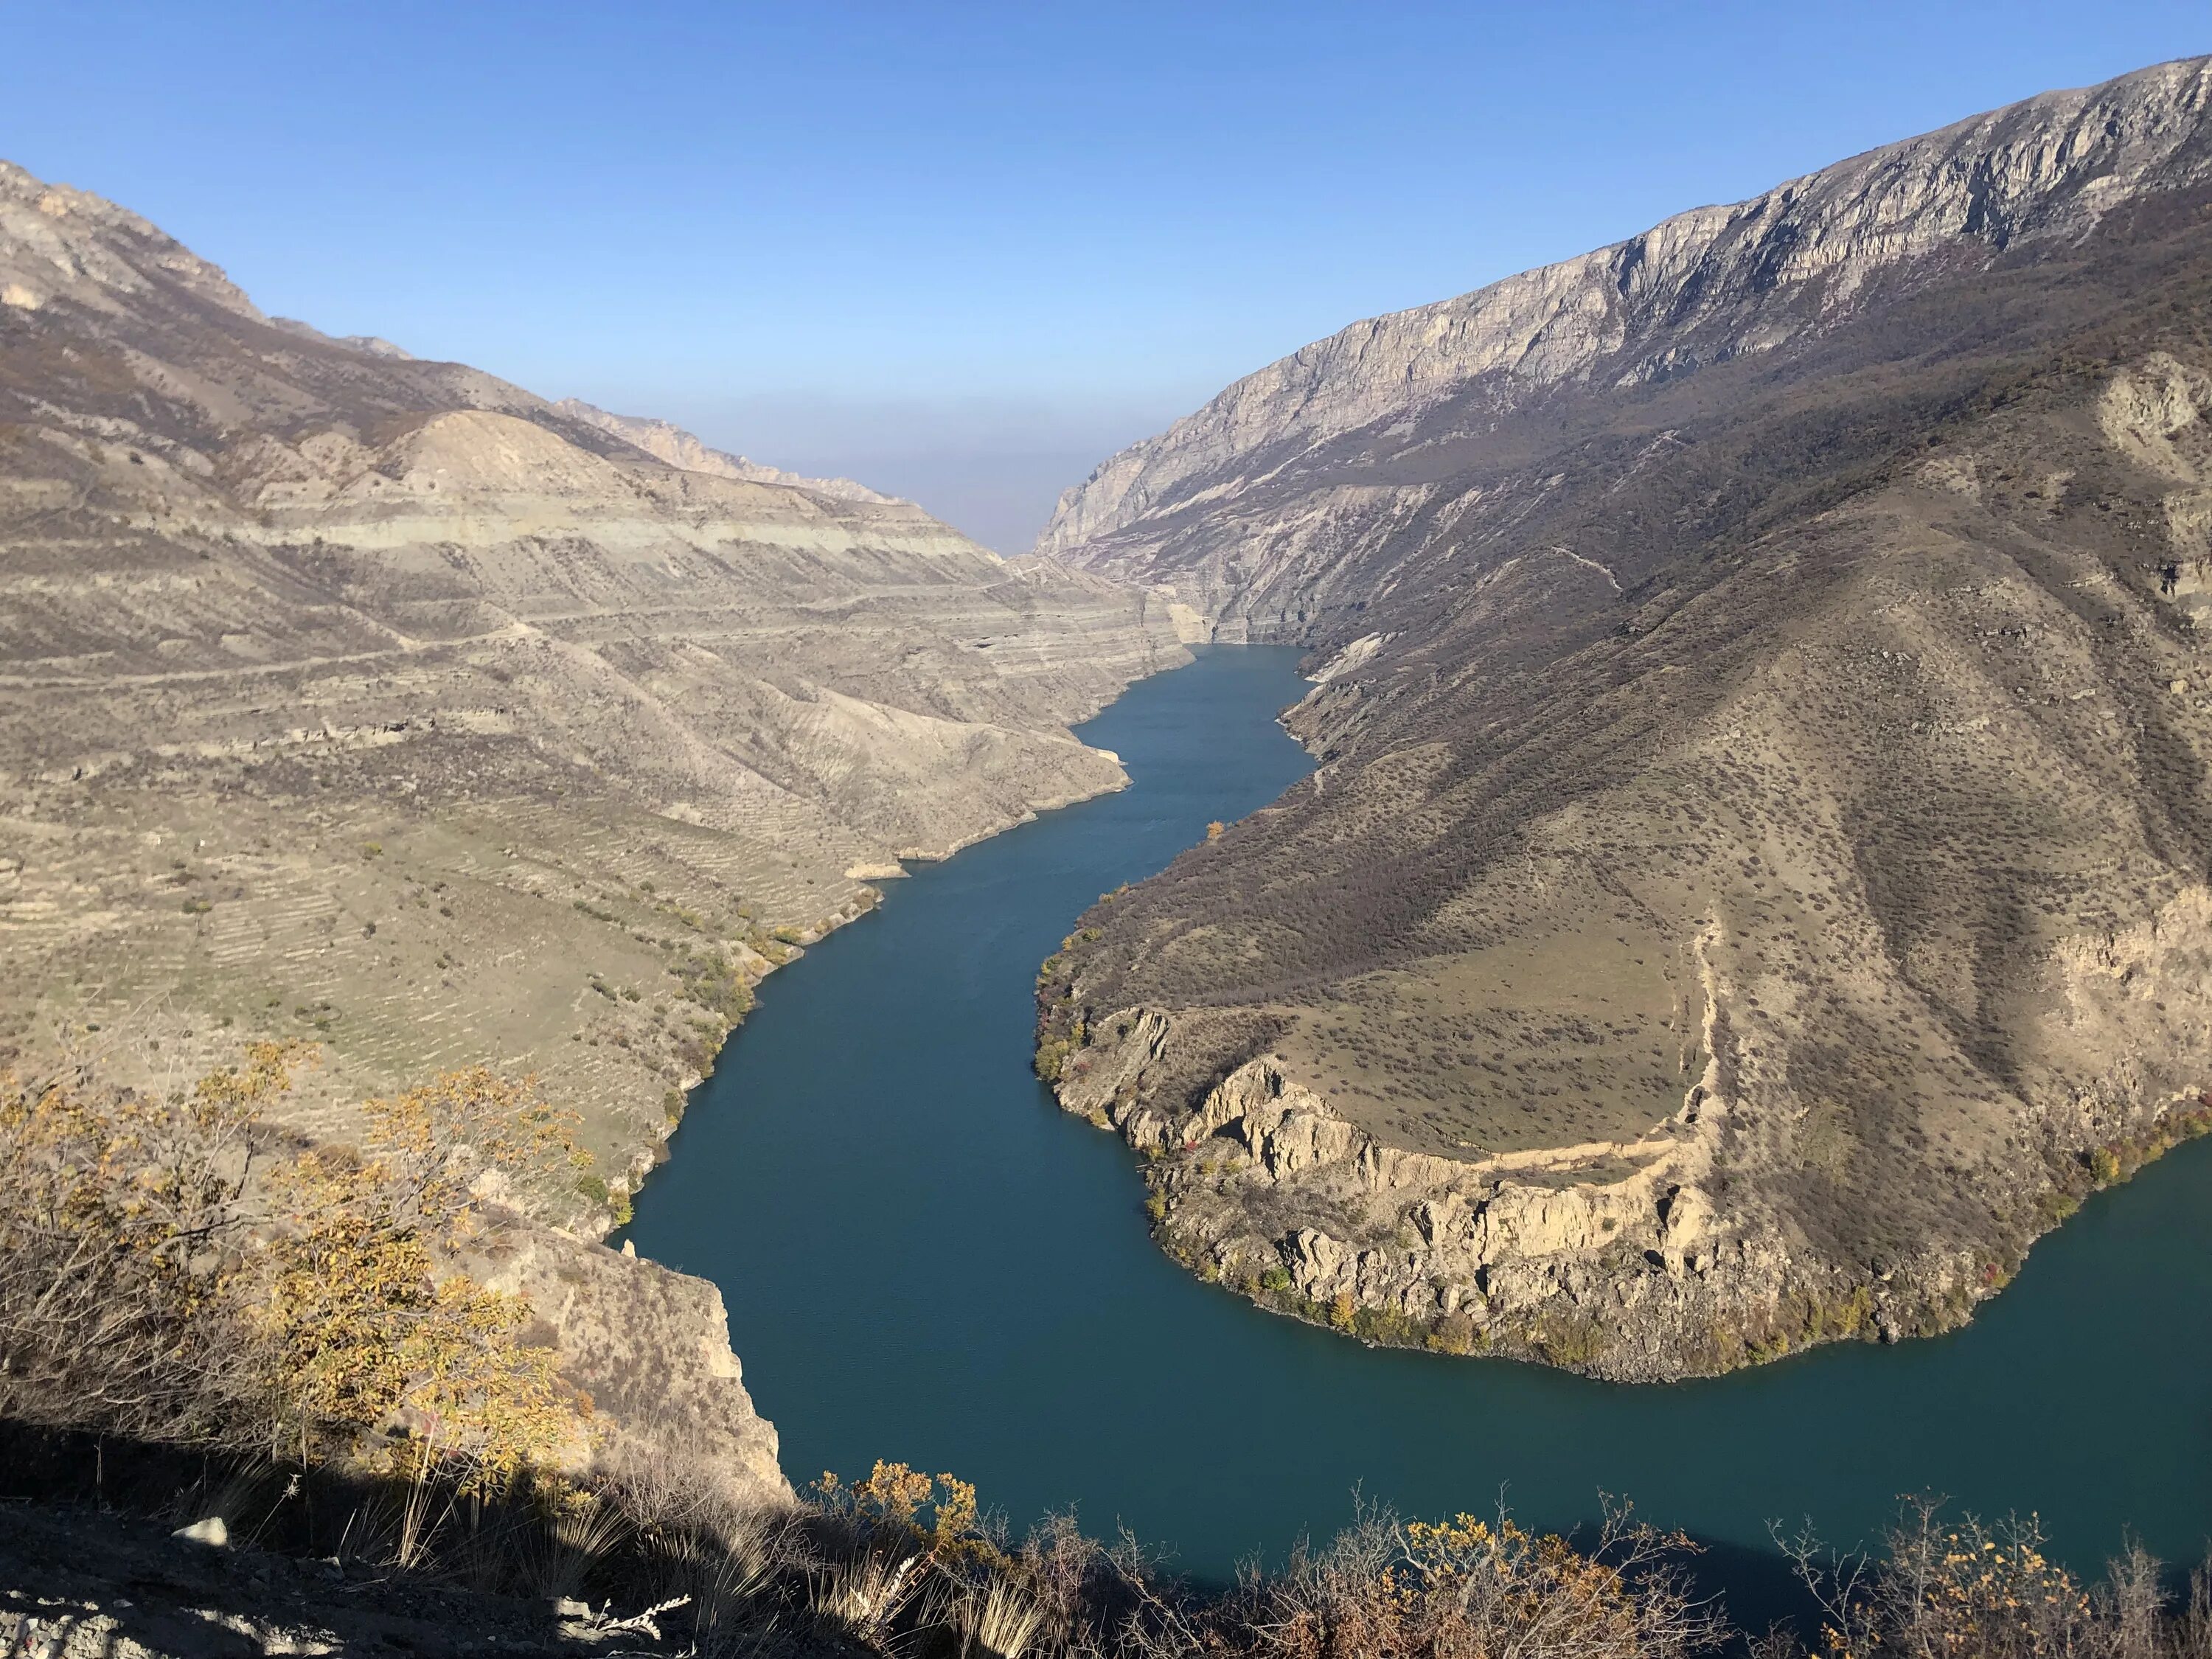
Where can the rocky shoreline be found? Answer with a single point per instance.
(1613, 1259)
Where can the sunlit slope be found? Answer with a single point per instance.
(1758, 855)
(380, 701)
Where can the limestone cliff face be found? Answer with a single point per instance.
(1753, 882)
(1262, 464)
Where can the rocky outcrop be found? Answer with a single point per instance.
(651, 1351)
(1752, 884)
(1612, 1258)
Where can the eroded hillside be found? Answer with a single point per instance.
(377, 703)
(1755, 879)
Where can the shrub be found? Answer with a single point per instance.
(365, 1327)
(1453, 1333)
(1472, 1587)
(153, 1281)
(1051, 1054)
(123, 1276)
(1990, 1592)
(1575, 1340)
(1387, 1325)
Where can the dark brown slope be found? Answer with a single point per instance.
(1760, 845)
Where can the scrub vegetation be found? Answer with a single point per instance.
(903, 1563)
(170, 1269)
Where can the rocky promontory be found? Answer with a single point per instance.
(1753, 880)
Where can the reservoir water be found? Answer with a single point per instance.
(925, 1260)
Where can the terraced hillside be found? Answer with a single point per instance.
(1756, 877)
(379, 701)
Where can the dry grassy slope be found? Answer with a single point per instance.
(1760, 846)
(373, 701)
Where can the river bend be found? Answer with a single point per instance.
(925, 1260)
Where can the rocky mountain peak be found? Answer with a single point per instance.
(58, 242)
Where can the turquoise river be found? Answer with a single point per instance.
(925, 1260)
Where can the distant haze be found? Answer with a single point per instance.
(992, 468)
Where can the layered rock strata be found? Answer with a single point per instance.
(374, 701)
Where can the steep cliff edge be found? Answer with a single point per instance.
(651, 1347)
(1755, 879)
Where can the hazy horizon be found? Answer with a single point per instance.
(993, 467)
(963, 253)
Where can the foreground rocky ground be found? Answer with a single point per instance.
(79, 1585)
(1754, 882)
(899, 1563)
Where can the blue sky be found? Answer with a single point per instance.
(963, 251)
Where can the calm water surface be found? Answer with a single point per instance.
(925, 1260)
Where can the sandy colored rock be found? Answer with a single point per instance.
(376, 702)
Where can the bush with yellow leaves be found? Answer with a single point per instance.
(895, 1497)
(1963, 1587)
(164, 1272)
(365, 1329)
(123, 1236)
(1475, 1588)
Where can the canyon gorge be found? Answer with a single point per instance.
(1755, 877)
